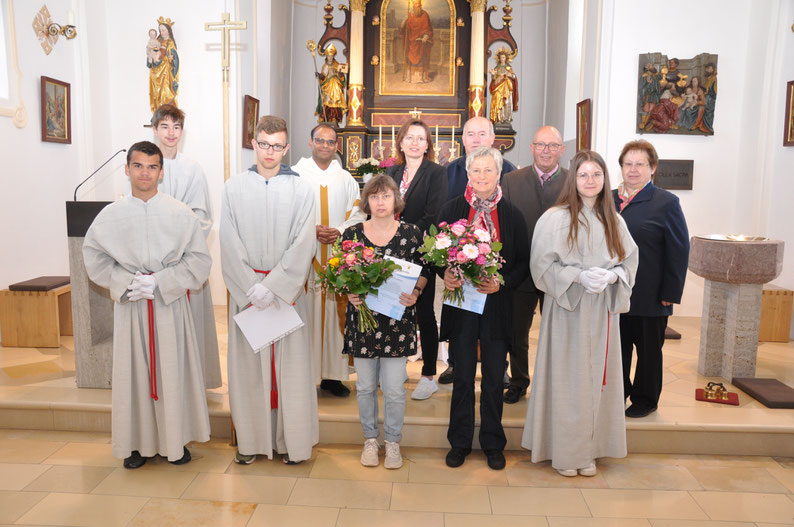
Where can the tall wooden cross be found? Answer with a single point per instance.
(225, 27)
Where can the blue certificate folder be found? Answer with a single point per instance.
(387, 301)
(473, 300)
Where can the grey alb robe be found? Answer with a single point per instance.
(184, 180)
(576, 409)
(163, 237)
(268, 225)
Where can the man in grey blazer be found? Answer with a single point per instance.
(532, 190)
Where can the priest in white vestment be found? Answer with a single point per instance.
(267, 235)
(336, 195)
(184, 180)
(148, 249)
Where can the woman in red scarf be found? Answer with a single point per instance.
(483, 204)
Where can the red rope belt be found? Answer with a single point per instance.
(152, 351)
(273, 385)
(606, 355)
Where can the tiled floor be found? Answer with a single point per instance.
(80, 484)
(70, 478)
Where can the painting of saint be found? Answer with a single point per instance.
(417, 47)
(56, 113)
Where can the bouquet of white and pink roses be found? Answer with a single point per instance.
(356, 269)
(469, 253)
(367, 167)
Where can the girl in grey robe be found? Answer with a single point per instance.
(586, 271)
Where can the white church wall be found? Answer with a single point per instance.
(718, 201)
(37, 178)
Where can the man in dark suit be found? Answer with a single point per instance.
(477, 131)
(532, 190)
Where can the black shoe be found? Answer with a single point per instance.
(456, 456)
(496, 459)
(335, 387)
(447, 376)
(184, 459)
(513, 394)
(639, 411)
(288, 461)
(136, 460)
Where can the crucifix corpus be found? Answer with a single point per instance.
(225, 27)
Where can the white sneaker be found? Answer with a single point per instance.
(567, 472)
(589, 471)
(369, 454)
(424, 389)
(393, 457)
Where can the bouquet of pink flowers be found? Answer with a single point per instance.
(355, 269)
(469, 253)
(371, 166)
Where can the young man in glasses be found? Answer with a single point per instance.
(267, 236)
(184, 180)
(532, 189)
(336, 196)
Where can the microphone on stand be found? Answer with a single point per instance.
(95, 171)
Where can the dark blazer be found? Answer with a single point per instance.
(456, 175)
(515, 269)
(522, 188)
(656, 222)
(428, 191)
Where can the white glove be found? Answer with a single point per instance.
(609, 276)
(260, 296)
(142, 286)
(593, 282)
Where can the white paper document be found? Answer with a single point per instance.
(387, 301)
(473, 300)
(262, 328)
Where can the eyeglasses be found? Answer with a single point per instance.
(635, 165)
(415, 139)
(319, 141)
(596, 176)
(266, 146)
(553, 147)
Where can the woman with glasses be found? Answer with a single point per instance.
(584, 260)
(656, 222)
(423, 186)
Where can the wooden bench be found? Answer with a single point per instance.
(35, 319)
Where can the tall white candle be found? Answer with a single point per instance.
(436, 134)
(380, 134)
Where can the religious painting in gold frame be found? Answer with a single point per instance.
(56, 111)
(584, 124)
(788, 132)
(417, 48)
(250, 118)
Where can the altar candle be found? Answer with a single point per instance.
(392, 136)
(436, 134)
(380, 134)
(452, 145)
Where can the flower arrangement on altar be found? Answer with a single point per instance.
(369, 166)
(356, 269)
(469, 253)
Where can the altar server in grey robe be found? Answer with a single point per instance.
(184, 179)
(584, 260)
(267, 235)
(148, 250)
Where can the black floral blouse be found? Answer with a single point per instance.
(392, 338)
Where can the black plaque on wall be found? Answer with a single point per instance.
(674, 174)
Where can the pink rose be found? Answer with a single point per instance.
(442, 224)
(480, 260)
(484, 248)
(368, 254)
(350, 259)
(347, 245)
(461, 257)
(388, 162)
(458, 229)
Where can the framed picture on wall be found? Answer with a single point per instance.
(584, 123)
(56, 111)
(788, 131)
(250, 118)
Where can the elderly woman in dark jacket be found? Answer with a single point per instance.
(656, 222)
(423, 187)
(483, 204)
